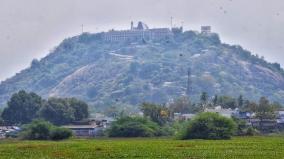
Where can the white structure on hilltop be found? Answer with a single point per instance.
(141, 32)
(205, 29)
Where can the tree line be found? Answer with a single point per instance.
(24, 107)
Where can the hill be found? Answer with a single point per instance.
(130, 72)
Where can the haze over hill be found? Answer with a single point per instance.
(133, 71)
(30, 28)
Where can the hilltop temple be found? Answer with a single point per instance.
(140, 32)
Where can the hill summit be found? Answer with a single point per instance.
(103, 71)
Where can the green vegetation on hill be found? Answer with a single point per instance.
(103, 74)
(240, 148)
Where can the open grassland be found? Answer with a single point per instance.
(237, 148)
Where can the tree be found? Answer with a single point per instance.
(209, 126)
(246, 106)
(80, 108)
(1, 120)
(204, 97)
(240, 101)
(61, 111)
(157, 113)
(112, 111)
(264, 110)
(227, 102)
(22, 108)
(203, 100)
(57, 111)
(215, 100)
(180, 105)
(277, 106)
(252, 107)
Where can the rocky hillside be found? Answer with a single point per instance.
(131, 72)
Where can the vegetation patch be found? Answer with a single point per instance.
(269, 147)
(42, 130)
(209, 126)
(133, 127)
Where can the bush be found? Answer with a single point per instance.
(251, 131)
(13, 134)
(60, 134)
(42, 130)
(208, 126)
(133, 127)
(243, 129)
(166, 130)
(37, 130)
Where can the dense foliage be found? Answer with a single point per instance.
(157, 113)
(42, 130)
(264, 111)
(57, 111)
(209, 126)
(136, 127)
(226, 102)
(243, 129)
(181, 105)
(58, 133)
(23, 107)
(62, 111)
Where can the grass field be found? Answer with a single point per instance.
(237, 148)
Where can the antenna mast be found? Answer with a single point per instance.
(82, 28)
(188, 89)
(171, 22)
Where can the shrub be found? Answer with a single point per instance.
(208, 126)
(133, 127)
(13, 134)
(166, 130)
(251, 131)
(243, 129)
(60, 133)
(37, 130)
(43, 130)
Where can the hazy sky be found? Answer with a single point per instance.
(30, 28)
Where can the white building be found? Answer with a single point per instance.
(224, 112)
(140, 32)
(182, 117)
(205, 29)
(280, 117)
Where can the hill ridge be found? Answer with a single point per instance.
(131, 72)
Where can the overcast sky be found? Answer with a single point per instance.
(30, 28)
